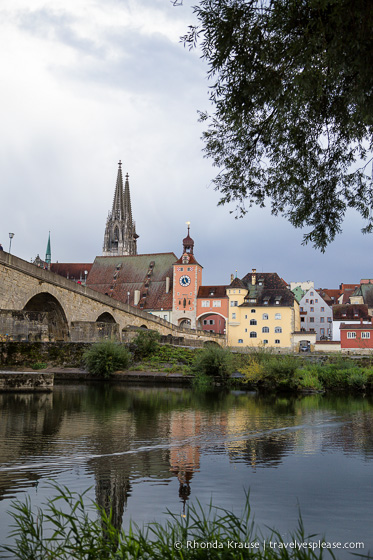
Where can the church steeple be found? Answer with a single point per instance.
(120, 234)
(48, 252)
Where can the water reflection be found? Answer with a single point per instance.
(127, 436)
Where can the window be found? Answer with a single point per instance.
(311, 293)
(205, 322)
(240, 341)
(311, 301)
(205, 303)
(265, 316)
(322, 319)
(253, 311)
(329, 319)
(277, 341)
(351, 334)
(245, 316)
(301, 309)
(312, 309)
(322, 332)
(245, 330)
(253, 321)
(253, 334)
(265, 329)
(312, 319)
(278, 329)
(316, 301)
(278, 316)
(233, 315)
(234, 303)
(365, 334)
(322, 309)
(216, 303)
(302, 319)
(306, 300)
(212, 322)
(265, 341)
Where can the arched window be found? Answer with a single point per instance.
(277, 341)
(265, 316)
(278, 316)
(265, 329)
(253, 334)
(253, 311)
(253, 321)
(278, 329)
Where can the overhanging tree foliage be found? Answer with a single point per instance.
(292, 94)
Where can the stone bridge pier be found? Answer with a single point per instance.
(37, 304)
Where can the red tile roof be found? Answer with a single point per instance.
(206, 292)
(350, 312)
(74, 271)
(116, 276)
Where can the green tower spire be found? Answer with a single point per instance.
(48, 253)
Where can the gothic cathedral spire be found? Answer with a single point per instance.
(120, 233)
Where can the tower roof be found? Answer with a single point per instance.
(188, 242)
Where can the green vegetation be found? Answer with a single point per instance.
(39, 365)
(64, 528)
(292, 104)
(146, 343)
(214, 361)
(267, 371)
(104, 358)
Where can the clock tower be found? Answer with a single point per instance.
(186, 281)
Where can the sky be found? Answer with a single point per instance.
(88, 83)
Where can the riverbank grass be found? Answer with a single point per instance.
(65, 528)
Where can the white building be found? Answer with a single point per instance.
(315, 315)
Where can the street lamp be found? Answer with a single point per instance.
(85, 277)
(11, 235)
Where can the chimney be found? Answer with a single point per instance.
(361, 320)
(167, 284)
(136, 297)
(253, 277)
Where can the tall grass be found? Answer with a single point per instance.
(103, 358)
(65, 529)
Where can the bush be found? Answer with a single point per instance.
(146, 343)
(104, 358)
(271, 371)
(39, 365)
(214, 361)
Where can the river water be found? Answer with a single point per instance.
(148, 449)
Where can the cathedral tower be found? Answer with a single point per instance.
(120, 233)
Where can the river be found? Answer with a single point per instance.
(148, 449)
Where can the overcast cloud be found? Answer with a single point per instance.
(87, 83)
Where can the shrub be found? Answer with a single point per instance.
(146, 343)
(214, 361)
(39, 365)
(104, 358)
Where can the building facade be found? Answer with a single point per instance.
(212, 308)
(316, 315)
(262, 312)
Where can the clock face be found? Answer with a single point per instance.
(184, 280)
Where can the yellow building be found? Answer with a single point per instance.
(262, 312)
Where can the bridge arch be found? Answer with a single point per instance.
(210, 313)
(57, 322)
(105, 317)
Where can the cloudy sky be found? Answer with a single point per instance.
(88, 83)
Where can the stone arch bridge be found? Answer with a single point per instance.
(37, 304)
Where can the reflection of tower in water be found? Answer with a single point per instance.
(185, 427)
(112, 491)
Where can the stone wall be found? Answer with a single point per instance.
(24, 325)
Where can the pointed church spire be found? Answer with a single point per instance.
(120, 234)
(48, 253)
(118, 206)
